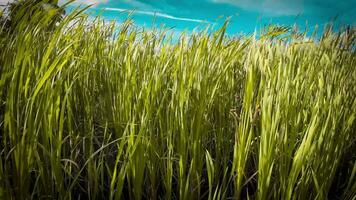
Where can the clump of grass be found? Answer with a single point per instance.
(96, 110)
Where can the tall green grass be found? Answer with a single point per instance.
(93, 110)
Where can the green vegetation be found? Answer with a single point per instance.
(93, 110)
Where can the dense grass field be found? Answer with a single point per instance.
(91, 110)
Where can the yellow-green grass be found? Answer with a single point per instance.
(92, 110)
